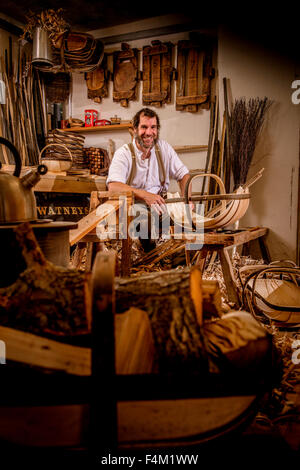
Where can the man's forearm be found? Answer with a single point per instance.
(141, 194)
(117, 187)
(182, 183)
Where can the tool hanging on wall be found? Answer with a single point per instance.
(2, 91)
(97, 82)
(157, 73)
(126, 74)
(194, 67)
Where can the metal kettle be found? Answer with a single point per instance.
(17, 201)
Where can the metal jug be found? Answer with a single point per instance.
(41, 49)
(17, 201)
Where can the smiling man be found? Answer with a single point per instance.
(146, 165)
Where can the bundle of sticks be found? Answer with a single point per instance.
(245, 124)
(23, 116)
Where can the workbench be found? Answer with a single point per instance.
(62, 183)
(221, 242)
(62, 197)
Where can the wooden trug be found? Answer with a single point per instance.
(125, 75)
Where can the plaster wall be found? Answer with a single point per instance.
(257, 71)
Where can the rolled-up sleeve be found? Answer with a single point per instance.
(177, 169)
(120, 167)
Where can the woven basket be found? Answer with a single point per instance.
(57, 86)
(98, 160)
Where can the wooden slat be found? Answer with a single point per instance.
(224, 239)
(70, 184)
(193, 99)
(112, 127)
(133, 339)
(42, 352)
(146, 74)
(87, 223)
(155, 74)
(189, 148)
(166, 68)
(192, 62)
(134, 342)
(60, 183)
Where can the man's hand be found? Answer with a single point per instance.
(152, 200)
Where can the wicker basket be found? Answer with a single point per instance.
(98, 160)
(57, 86)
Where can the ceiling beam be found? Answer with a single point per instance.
(11, 28)
(153, 32)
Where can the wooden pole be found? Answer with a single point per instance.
(227, 142)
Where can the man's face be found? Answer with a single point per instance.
(146, 133)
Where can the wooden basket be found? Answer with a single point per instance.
(56, 165)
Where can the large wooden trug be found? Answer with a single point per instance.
(144, 377)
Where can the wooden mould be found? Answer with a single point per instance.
(194, 67)
(97, 82)
(157, 73)
(126, 74)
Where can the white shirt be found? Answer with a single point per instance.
(147, 171)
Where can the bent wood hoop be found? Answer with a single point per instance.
(231, 208)
(56, 165)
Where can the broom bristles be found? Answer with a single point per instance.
(245, 123)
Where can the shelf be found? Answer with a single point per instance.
(111, 127)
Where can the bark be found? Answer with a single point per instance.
(166, 297)
(45, 298)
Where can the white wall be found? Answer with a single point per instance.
(256, 71)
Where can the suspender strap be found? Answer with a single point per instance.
(133, 166)
(161, 168)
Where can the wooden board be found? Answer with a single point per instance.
(141, 424)
(157, 70)
(166, 422)
(134, 343)
(133, 339)
(229, 239)
(87, 223)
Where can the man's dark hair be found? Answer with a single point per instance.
(146, 112)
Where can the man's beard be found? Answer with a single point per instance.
(140, 141)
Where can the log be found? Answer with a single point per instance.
(172, 300)
(131, 292)
(45, 298)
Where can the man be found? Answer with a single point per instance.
(146, 166)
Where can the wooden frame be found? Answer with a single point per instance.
(157, 73)
(194, 67)
(85, 234)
